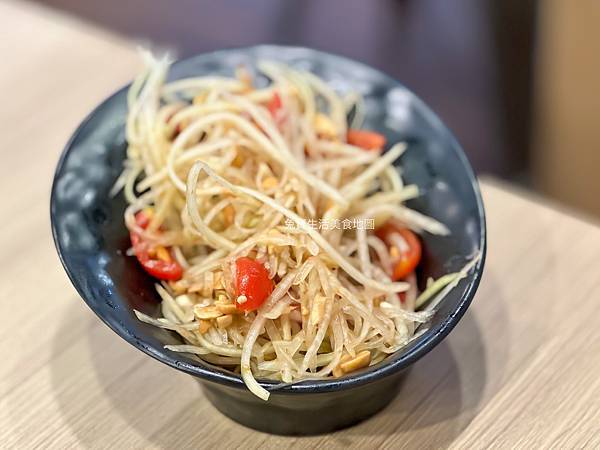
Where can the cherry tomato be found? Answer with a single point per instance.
(252, 281)
(274, 105)
(368, 140)
(142, 219)
(404, 260)
(164, 269)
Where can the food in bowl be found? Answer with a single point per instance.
(275, 226)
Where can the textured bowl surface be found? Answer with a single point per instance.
(91, 238)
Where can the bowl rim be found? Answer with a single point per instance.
(387, 367)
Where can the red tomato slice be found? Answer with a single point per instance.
(275, 107)
(252, 281)
(368, 140)
(158, 268)
(163, 270)
(274, 104)
(406, 259)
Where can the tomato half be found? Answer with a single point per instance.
(365, 139)
(274, 104)
(252, 281)
(406, 259)
(275, 107)
(165, 268)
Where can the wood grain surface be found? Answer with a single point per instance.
(520, 370)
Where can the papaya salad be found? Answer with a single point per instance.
(274, 225)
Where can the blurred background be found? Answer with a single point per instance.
(516, 80)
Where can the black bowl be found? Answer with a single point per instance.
(91, 240)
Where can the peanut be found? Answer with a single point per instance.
(204, 326)
(361, 360)
(207, 312)
(224, 321)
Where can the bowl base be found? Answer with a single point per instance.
(303, 413)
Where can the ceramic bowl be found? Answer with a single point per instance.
(91, 240)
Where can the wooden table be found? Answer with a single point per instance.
(521, 368)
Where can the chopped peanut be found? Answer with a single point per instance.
(228, 215)
(318, 309)
(269, 183)
(337, 370)
(239, 160)
(207, 312)
(224, 321)
(361, 360)
(163, 254)
(241, 299)
(226, 308)
(324, 126)
(204, 326)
